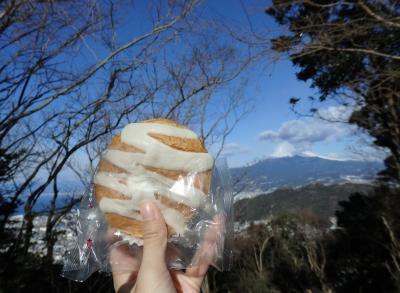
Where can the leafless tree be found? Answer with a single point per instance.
(253, 264)
(316, 258)
(70, 77)
(394, 249)
(295, 241)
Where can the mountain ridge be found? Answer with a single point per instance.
(296, 171)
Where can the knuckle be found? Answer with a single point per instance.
(154, 230)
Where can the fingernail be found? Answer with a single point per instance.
(147, 211)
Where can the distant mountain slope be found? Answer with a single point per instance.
(299, 171)
(322, 200)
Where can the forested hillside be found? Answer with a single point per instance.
(317, 198)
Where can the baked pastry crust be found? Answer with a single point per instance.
(199, 180)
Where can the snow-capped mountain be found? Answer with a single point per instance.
(267, 175)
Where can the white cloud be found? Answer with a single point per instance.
(284, 149)
(336, 113)
(231, 149)
(307, 131)
(298, 136)
(287, 149)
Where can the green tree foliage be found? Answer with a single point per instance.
(318, 198)
(350, 51)
(362, 253)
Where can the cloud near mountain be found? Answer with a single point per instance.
(298, 136)
(311, 131)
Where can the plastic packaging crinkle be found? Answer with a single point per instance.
(196, 210)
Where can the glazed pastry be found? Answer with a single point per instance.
(157, 160)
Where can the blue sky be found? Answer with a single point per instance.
(272, 129)
(288, 134)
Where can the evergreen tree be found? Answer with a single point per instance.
(362, 254)
(350, 51)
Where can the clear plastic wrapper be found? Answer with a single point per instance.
(100, 246)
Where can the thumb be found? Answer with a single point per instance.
(153, 274)
(154, 236)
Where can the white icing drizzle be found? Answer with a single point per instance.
(120, 206)
(139, 184)
(142, 186)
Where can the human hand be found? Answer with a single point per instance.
(149, 273)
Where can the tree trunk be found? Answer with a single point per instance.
(50, 248)
(28, 231)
